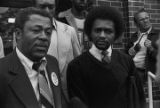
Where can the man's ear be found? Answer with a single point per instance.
(18, 33)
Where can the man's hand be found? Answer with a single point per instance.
(131, 51)
(148, 44)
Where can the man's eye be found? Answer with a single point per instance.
(108, 31)
(48, 32)
(42, 7)
(97, 30)
(36, 30)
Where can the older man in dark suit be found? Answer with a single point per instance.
(21, 85)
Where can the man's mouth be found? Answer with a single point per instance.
(42, 47)
(102, 44)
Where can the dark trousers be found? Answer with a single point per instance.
(142, 74)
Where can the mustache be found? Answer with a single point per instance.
(42, 44)
(102, 39)
(106, 43)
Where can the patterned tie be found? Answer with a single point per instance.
(105, 58)
(46, 98)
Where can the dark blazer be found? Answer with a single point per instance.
(150, 60)
(15, 87)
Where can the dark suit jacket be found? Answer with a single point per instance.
(150, 61)
(15, 87)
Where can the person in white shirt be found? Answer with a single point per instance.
(75, 17)
(142, 44)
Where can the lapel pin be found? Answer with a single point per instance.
(54, 78)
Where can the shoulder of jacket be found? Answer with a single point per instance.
(50, 57)
(64, 25)
(64, 13)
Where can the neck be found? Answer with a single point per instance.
(144, 30)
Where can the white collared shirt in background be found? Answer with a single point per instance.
(139, 58)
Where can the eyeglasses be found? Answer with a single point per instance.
(143, 19)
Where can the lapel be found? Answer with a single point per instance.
(70, 19)
(152, 34)
(134, 37)
(20, 84)
(52, 70)
(63, 43)
(61, 29)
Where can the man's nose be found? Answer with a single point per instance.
(146, 19)
(43, 35)
(102, 34)
(47, 9)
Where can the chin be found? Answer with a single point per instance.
(39, 56)
(101, 47)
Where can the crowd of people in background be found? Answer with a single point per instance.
(67, 59)
(75, 17)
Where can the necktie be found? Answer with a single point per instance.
(46, 99)
(105, 58)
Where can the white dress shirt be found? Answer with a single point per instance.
(139, 58)
(98, 53)
(32, 74)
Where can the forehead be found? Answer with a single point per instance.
(37, 20)
(142, 14)
(45, 1)
(99, 23)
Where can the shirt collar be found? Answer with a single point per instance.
(54, 24)
(26, 61)
(97, 53)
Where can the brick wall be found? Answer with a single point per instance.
(152, 6)
(128, 8)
